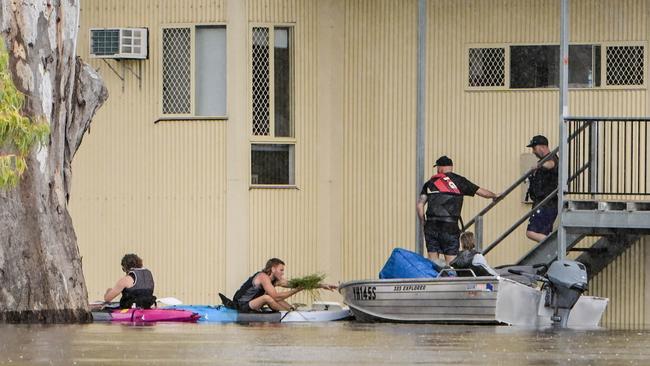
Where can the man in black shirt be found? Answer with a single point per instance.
(541, 184)
(443, 195)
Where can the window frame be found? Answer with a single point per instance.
(506, 66)
(271, 139)
(192, 115)
(603, 66)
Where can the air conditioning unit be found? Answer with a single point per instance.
(118, 43)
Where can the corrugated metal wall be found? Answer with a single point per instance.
(485, 132)
(379, 138)
(624, 283)
(160, 190)
(156, 190)
(283, 222)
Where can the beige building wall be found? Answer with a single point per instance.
(283, 221)
(485, 132)
(498, 124)
(158, 190)
(379, 139)
(178, 192)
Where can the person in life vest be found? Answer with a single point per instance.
(542, 183)
(470, 258)
(259, 289)
(443, 196)
(136, 287)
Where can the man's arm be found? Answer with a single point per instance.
(123, 283)
(487, 194)
(420, 207)
(549, 164)
(269, 289)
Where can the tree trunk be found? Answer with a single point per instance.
(41, 278)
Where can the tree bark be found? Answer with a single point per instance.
(41, 278)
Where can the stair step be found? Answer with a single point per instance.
(605, 251)
(589, 250)
(605, 206)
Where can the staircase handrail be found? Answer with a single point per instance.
(510, 189)
(519, 222)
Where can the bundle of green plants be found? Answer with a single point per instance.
(310, 284)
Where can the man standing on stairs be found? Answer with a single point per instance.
(542, 183)
(443, 195)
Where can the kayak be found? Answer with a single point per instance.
(320, 312)
(146, 315)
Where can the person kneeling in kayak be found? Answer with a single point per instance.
(469, 258)
(136, 287)
(259, 289)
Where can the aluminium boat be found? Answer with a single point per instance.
(478, 300)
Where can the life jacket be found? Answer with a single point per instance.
(542, 182)
(446, 201)
(248, 291)
(141, 293)
(465, 260)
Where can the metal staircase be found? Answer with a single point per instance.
(606, 174)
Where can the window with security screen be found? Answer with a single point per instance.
(625, 65)
(272, 127)
(261, 82)
(487, 67)
(176, 71)
(194, 71)
(531, 66)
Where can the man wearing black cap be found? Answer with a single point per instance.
(443, 195)
(542, 183)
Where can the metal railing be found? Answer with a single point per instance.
(608, 156)
(478, 219)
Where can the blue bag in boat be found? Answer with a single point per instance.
(403, 263)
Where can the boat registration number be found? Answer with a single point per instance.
(364, 292)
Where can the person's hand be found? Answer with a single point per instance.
(497, 197)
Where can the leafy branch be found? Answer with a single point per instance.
(18, 133)
(310, 284)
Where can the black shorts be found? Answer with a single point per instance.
(542, 220)
(442, 237)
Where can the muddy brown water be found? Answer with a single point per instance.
(336, 343)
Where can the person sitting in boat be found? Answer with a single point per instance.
(259, 289)
(470, 258)
(136, 287)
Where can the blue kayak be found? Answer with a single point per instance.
(222, 314)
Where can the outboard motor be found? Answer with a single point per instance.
(567, 280)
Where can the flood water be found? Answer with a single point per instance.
(340, 343)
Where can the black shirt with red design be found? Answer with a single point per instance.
(464, 186)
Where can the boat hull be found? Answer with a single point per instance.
(466, 300)
(451, 300)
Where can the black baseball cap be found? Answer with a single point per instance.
(538, 140)
(444, 161)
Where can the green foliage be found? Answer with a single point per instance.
(310, 283)
(18, 134)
